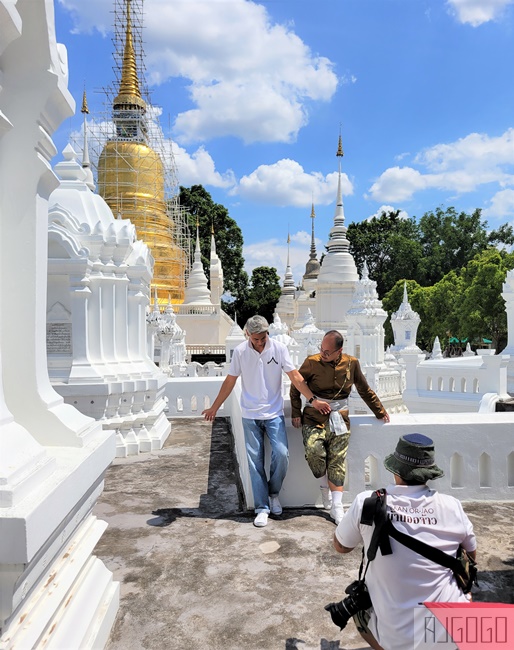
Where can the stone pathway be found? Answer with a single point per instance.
(195, 572)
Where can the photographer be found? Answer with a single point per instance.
(398, 582)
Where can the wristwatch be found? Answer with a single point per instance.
(312, 399)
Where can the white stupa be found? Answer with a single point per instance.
(366, 319)
(405, 323)
(215, 273)
(201, 315)
(197, 290)
(338, 275)
(99, 276)
(285, 307)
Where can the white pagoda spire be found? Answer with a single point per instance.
(338, 274)
(288, 288)
(86, 164)
(366, 318)
(313, 266)
(216, 273)
(197, 292)
(405, 323)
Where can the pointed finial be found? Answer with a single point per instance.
(212, 228)
(129, 93)
(84, 108)
(340, 152)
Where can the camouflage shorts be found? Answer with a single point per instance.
(325, 452)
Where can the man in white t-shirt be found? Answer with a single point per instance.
(259, 361)
(399, 582)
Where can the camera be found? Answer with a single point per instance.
(357, 600)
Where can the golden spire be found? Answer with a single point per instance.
(313, 214)
(84, 108)
(129, 93)
(340, 152)
(212, 228)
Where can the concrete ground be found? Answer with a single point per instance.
(195, 573)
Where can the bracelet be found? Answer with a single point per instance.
(312, 399)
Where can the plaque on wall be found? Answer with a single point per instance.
(58, 338)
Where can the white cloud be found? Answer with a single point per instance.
(249, 78)
(459, 167)
(502, 205)
(273, 252)
(477, 12)
(287, 183)
(199, 168)
(91, 16)
(397, 184)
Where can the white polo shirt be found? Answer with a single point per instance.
(261, 378)
(397, 583)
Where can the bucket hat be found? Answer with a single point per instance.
(414, 459)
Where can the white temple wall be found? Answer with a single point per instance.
(332, 304)
(97, 260)
(449, 385)
(52, 458)
(475, 450)
(203, 324)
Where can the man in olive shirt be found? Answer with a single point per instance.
(330, 375)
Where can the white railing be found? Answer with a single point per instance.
(475, 450)
(205, 349)
(196, 309)
(455, 384)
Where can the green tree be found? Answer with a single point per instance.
(262, 296)
(465, 303)
(200, 207)
(481, 310)
(449, 240)
(442, 241)
(389, 245)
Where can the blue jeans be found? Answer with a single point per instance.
(254, 431)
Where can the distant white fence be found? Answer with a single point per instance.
(449, 385)
(475, 450)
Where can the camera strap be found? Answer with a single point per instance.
(374, 511)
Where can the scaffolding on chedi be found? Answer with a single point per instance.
(134, 166)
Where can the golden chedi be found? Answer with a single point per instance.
(131, 179)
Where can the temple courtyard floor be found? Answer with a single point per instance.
(196, 574)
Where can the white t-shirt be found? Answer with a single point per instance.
(261, 378)
(397, 583)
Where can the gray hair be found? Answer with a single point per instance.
(256, 325)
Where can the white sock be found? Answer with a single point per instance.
(337, 497)
(323, 481)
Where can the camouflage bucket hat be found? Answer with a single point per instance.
(414, 459)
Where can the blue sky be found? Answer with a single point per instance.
(254, 95)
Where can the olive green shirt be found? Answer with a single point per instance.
(331, 380)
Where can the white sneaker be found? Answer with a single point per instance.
(261, 520)
(274, 504)
(337, 512)
(326, 496)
